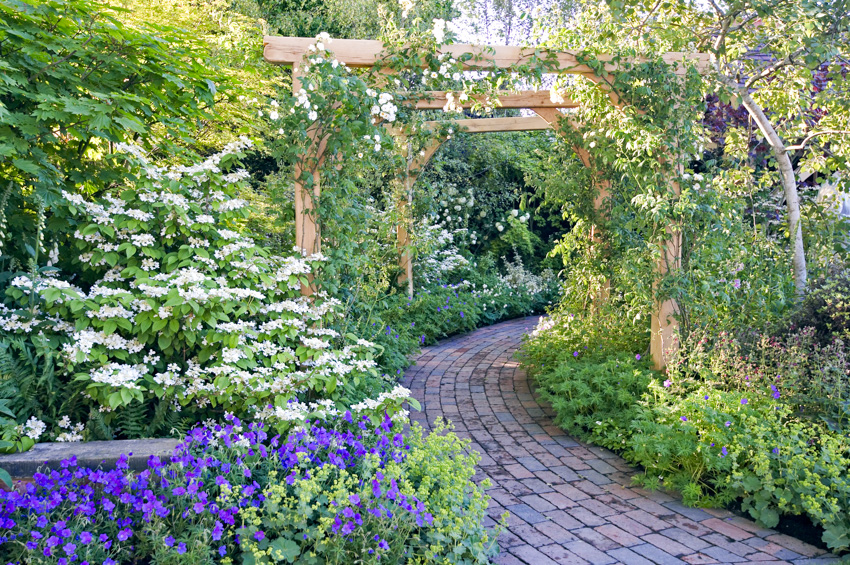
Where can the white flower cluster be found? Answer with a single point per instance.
(500, 226)
(544, 324)
(397, 396)
(198, 313)
(439, 255)
(303, 101)
(449, 69)
(406, 7)
(696, 178)
(518, 280)
(82, 343)
(32, 429)
(73, 432)
(384, 108)
(382, 105)
(119, 375)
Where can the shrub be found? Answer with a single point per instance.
(177, 310)
(716, 446)
(140, 82)
(564, 337)
(736, 417)
(328, 492)
(826, 308)
(596, 398)
(813, 377)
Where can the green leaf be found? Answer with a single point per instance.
(164, 341)
(114, 400)
(27, 166)
(837, 536)
(283, 549)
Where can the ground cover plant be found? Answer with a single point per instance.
(335, 490)
(753, 416)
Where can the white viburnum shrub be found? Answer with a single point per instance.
(186, 308)
(520, 279)
(438, 253)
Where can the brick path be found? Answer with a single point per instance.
(570, 502)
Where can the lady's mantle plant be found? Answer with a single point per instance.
(183, 308)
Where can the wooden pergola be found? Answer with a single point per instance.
(291, 51)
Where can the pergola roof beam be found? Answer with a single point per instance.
(363, 53)
(436, 100)
(485, 125)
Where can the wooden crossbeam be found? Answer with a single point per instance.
(436, 100)
(363, 53)
(484, 125)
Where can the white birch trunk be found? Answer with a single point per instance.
(789, 184)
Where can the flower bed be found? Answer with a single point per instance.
(759, 423)
(330, 492)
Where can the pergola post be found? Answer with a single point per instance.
(307, 233)
(405, 256)
(413, 167)
(664, 324)
(307, 236)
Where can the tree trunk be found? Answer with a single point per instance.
(789, 184)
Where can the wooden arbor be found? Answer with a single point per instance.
(364, 54)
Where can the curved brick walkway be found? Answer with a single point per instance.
(569, 502)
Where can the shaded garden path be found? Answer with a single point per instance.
(569, 502)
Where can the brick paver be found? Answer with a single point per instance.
(569, 502)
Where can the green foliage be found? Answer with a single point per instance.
(301, 519)
(826, 308)
(740, 414)
(231, 40)
(566, 336)
(76, 81)
(477, 183)
(594, 396)
(32, 383)
(357, 19)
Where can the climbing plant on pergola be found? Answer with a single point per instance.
(367, 54)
